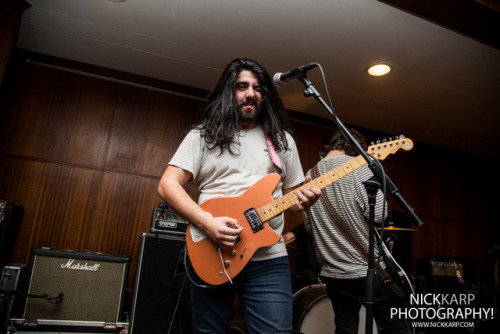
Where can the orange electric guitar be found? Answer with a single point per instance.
(253, 209)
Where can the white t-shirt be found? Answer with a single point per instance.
(227, 175)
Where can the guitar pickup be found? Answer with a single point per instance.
(254, 220)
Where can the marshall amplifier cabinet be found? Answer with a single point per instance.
(166, 221)
(75, 286)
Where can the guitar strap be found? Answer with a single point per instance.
(360, 248)
(275, 158)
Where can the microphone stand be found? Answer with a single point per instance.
(371, 186)
(379, 177)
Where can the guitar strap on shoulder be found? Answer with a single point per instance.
(355, 243)
(275, 158)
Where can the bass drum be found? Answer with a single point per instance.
(313, 312)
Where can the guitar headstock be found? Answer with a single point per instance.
(381, 149)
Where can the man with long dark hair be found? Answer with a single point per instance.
(225, 154)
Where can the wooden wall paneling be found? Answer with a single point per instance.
(459, 239)
(310, 139)
(449, 198)
(465, 186)
(452, 238)
(58, 202)
(464, 242)
(417, 179)
(415, 174)
(427, 240)
(148, 127)
(59, 116)
(451, 189)
(123, 211)
(449, 238)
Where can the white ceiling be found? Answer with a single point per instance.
(443, 90)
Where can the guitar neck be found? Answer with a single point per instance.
(286, 201)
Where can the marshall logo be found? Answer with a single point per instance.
(78, 266)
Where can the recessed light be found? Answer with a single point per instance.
(379, 69)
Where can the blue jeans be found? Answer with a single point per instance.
(265, 293)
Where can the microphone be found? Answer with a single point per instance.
(279, 78)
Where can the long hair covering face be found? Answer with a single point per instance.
(219, 120)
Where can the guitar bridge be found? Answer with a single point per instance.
(254, 220)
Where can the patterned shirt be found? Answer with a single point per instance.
(339, 221)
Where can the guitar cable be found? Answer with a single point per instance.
(187, 269)
(222, 263)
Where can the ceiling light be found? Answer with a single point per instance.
(379, 69)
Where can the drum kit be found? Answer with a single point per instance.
(312, 310)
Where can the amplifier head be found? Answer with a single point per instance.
(166, 221)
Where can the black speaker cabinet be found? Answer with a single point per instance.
(160, 304)
(74, 285)
(10, 220)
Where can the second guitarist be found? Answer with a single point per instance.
(338, 222)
